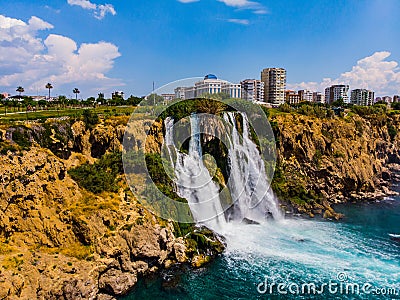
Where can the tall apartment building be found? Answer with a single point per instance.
(210, 85)
(362, 97)
(252, 90)
(336, 92)
(292, 97)
(318, 97)
(306, 95)
(274, 85)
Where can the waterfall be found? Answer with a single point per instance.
(193, 181)
(248, 184)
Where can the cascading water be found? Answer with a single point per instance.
(193, 180)
(248, 184)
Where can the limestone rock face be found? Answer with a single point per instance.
(338, 159)
(117, 282)
(59, 241)
(180, 250)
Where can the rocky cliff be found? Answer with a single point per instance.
(322, 161)
(60, 241)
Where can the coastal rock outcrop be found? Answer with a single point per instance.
(326, 161)
(60, 241)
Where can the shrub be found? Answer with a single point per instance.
(90, 119)
(21, 137)
(392, 132)
(100, 176)
(377, 109)
(396, 105)
(359, 127)
(285, 108)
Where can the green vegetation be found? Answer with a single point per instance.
(339, 103)
(308, 109)
(58, 112)
(90, 119)
(203, 239)
(292, 188)
(392, 131)
(396, 105)
(362, 111)
(21, 136)
(100, 176)
(158, 174)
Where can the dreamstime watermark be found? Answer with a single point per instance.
(342, 285)
(151, 153)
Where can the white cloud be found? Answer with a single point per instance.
(86, 4)
(374, 72)
(239, 21)
(240, 4)
(27, 60)
(100, 10)
(188, 1)
(237, 3)
(246, 4)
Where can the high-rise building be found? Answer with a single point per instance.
(318, 97)
(306, 95)
(336, 92)
(362, 97)
(274, 85)
(252, 90)
(292, 97)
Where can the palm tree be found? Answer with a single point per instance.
(49, 87)
(76, 91)
(20, 90)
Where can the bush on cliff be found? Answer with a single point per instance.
(100, 176)
(392, 131)
(21, 136)
(362, 111)
(90, 119)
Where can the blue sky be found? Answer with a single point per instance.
(106, 45)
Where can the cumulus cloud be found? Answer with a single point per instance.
(374, 72)
(26, 59)
(100, 10)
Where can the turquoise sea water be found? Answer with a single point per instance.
(351, 259)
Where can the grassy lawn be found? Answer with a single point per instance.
(63, 112)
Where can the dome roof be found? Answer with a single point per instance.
(210, 76)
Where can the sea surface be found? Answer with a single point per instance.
(351, 259)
